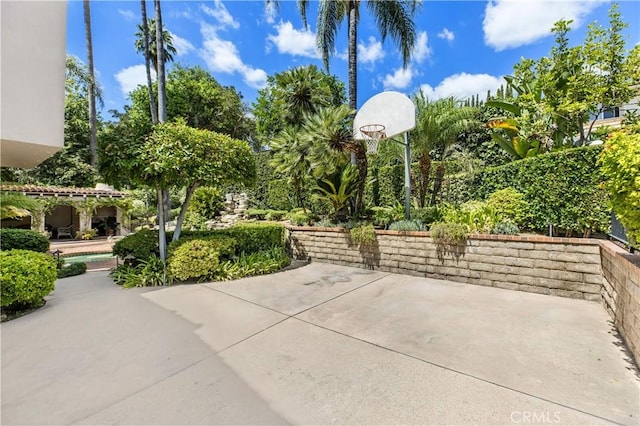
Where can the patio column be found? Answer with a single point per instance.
(37, 221)
(123, 229)
(85, 219)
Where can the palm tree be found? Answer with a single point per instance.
(438, 124)
(147, 59)
(291, 159)
(151, 39)
(162, 193)
(394, 18)
(93, 141)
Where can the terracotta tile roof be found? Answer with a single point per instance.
(55, 190)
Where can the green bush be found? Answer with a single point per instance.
(141, 245)
(194, 260)
(477, 216)
(383, 216)
(152, 272)
(363, 234)
(227, 246)
(280, 195)
(407, 225)
(620, 162)
(124, 272)
(254, 237)
(26, 277)
(256, 214)
(262, 262)
(427, 215)
(509, 205)
(207, 202)
(72, 269)
(561, 187)
(325, 223)
(23, 239)
(449, 233)
(275, 214)
(506, 228)
(300, 219)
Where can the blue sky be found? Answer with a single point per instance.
(463, 47)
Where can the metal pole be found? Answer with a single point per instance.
(407, 178)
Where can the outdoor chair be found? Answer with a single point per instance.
(65, 231)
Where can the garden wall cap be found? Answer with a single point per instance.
(56, 191)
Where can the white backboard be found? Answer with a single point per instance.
(395, 111)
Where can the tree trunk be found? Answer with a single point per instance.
(424, 167)
(162, 89)
(183, 210)
(437, 184)
(93, 141)
(147, 62)
(162, 233)
(359, 156)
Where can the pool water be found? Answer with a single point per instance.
(89, 258)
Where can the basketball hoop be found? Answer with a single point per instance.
(373, 133)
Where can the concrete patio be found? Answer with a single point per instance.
(322, 344)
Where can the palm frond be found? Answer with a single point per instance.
(395, 19)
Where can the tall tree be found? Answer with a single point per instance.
(394, 18)
(147, 60)
(93, 144)
(167, 41)
(162, 192)
(438, 125)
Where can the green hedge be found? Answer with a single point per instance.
(142, 245)
(26, 277)
(23, 239)
(72, 269)
(562, 187)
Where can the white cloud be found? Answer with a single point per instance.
(127, 14)
(183, 46)
(294, 42)
(223, 56)
(446, 34)
(400, 79)
(463, 86)
(371, 53)
(132, 77)
(421, 50)
(509, 23)
(270, 11)
(221, 14)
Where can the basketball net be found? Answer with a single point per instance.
(373, 134)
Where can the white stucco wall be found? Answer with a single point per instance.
(32, 75)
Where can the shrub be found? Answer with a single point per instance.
(262, 262)
(141, 245)
(88, 234)
(477, 216)
(325, 223)
(123, 272)
(256, 214)
(153, 272)
(509, 205)
(300, 219)
(280, 195)
(26, 278)
(363, 234)
(407, 225)
(23, 239)
(383, 216)
(254, 237)
(620, 162)
(72, 269)
(427, 215)
(449, 233)
(226, 245)
(506, 228)
(206, 202)
(561, 187)
(194, 260)
(275, 214)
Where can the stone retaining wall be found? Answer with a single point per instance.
(621, 293)
(568, 267)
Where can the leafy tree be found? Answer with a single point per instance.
(438, 125)
(176, 155)
(394, 18)
(13, 205)
(291, 94)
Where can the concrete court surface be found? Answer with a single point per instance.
(322, 344)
